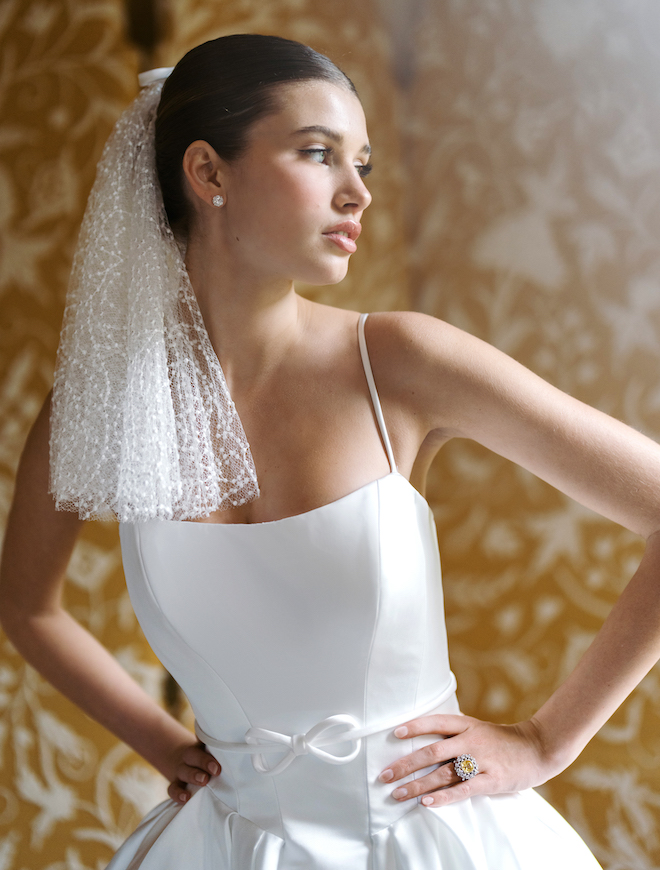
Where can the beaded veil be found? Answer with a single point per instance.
(142, 423)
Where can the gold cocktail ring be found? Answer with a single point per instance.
(465, 766)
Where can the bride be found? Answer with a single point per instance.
(257, 450)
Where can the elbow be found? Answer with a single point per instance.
(14, 620)
(19, 616)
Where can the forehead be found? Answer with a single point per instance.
(314, 104)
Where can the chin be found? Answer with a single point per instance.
(325, 277)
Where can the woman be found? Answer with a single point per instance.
(303, 614)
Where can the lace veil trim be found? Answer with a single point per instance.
(142, 423)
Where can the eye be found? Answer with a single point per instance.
(318, 155)
(363, 169)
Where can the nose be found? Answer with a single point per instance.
(353, 194)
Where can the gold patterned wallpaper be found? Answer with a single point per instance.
(534, 149)
(68, 792)
(516, 194)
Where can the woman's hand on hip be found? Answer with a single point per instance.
(509, 758)
(191, 765)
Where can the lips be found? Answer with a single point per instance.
(344, 235)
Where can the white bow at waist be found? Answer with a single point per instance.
(341, 728)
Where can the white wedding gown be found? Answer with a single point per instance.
(283, 626)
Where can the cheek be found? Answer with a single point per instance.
(297, 196)
(290, 210)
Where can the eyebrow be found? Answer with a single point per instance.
(331, 134)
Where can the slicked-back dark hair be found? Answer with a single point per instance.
(217, 91)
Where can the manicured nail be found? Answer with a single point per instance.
(386, 776)
(184, 797)
(214, 768)
(427, 801)
(200, 777)
(401, 731)
(399, 793)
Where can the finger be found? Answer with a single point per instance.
(439, 752)
(178, 792)
(443, 787)
(445, 725)
(186, 773)
(480, 784)
(198, 757)
(439, 778)
(194, 772)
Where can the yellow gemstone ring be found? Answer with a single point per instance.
(465, 766)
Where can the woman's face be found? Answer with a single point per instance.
(295, 197)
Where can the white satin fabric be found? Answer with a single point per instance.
(274, 628)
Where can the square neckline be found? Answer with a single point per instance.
(382, 428)
(375, 482)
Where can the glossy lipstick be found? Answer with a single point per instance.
(344, 235)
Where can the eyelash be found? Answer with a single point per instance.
(363, 169)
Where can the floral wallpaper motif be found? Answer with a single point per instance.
(69, 794)
(517, 195)
(533, 139)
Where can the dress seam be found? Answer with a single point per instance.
(379, 587)
(194, 652)
(424, 646)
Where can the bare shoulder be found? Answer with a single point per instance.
(428, 364)
(412, 338)
(459, 386)
(454, 375)
(407, 330)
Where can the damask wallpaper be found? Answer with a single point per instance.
(68, 792)
(517, 195)
(534, 164)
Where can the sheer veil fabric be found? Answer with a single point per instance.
(142, 422)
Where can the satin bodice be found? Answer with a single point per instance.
(281, 624)
(282, 632)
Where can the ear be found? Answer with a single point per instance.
(204, 170)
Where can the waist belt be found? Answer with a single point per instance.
(341, 728)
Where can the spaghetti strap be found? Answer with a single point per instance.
(375, 401)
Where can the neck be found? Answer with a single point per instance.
(252, 322)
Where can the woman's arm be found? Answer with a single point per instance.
(452, 384)
(37, 547)
(514, 757)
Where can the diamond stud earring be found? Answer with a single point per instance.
(218, 200)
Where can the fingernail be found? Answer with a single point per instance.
(200, 777)
(401, 731)
(214, 769)
(399, 793)
(184, 797)
(386, 776)
(427, 801)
